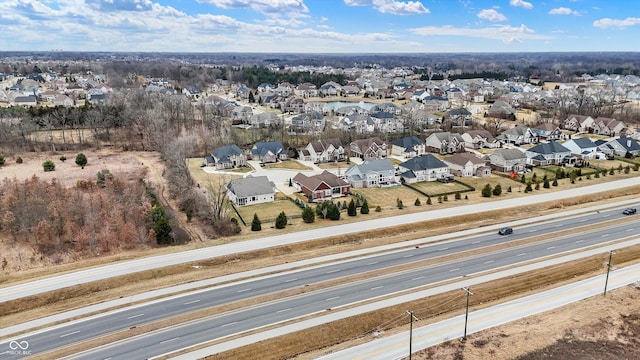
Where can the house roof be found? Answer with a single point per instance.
(314, 182)
(251, 186)
(583, 143)
(407, 143)
(481, 133)
(375, 166)
(510, 154)
(628, 144)
(224, 153)
(552, 147)
(423, 162)
(323, 144)
(463, 158)
(263, 148)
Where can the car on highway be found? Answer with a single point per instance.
(629, 211)
(505, 231)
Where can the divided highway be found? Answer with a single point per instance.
(173, 338)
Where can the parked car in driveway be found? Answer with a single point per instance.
(505, 231)
(629, 211)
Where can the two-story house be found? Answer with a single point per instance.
(423, 168)
(371, 173)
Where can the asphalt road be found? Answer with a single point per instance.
(177, 337)
(424, 336)
(128, 267)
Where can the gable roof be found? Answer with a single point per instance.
(423, 162)
(510, 154)
(251, 186)
(314, 182)
(584, 142)
(263, 148)
(463, 158)
(375, 166)
(408, 142)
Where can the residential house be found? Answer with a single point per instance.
(466, 164)
(324, 186)
(307, 123)
(444, 143)
(507, 160)
(518, 135)
(551, 153)
(501, 109)
(478, 139)
(548, 132)
(584, 148)
(371, 173)
(423, 168)
(609, 127)
(371, 148)
(226, 157)
(328, 150)
(578, 123)
(63, 100)
(624, 146)
(268, 152)
(330, 89)
(408, 147)
(306, 90)
(241, 114)
(264, 119)
(26, 101)
(251, 190)
(192, 92)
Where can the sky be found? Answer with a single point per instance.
(320, 26)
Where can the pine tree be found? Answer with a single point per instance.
(351, 209)
(281, 221)
(486, 191)
(364, 209)
(256, 225)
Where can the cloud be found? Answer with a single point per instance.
(392, 6)
(505, 33)
(491, 15)
(521, 3)
(563, 11)
(263, 6)
(617, 23)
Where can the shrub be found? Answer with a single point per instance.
(81, 160)
(256, 225)
(63, 158)
(19, 160)
(333, 212)
(1, 160)
(308, 215)
(378, 208)
(545, 184)
(281, 221)
(399, 203)
(48, 165)
(497, 190)
(445, 197)
(457, 195)
(429, 200)
(417, 202)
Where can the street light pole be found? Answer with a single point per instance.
(466, 315)
(412, 317)
(606, 281)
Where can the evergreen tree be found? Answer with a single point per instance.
(364, 209)
(333, 212)
(428, 200)
(81, 160)
(545, 184)
(497, 190)
(256, 225)
(458, 196)
(48, 165)
(555, 182)
(308, 215)
(399, 203)
(351, 209)
(1, 160)
(486, 191)
(161, 225)
(417, 202)
(281, 221)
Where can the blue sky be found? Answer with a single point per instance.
(320, 26)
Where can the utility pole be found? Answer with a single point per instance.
(411, 317)
(466, 315)
(606, 281)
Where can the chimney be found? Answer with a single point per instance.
(628, 143)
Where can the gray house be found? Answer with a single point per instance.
(268, 152)
(552, 153)
(423, 168)
(251, 190)
(371, 173)
(226, 157)
(408, 147)
(507, 160)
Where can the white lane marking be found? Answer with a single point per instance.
(583, 220)
(418, 278)
(372, 263)
(476, 242)
(488, 262)
(376, 288)
(579, 241)
(521, 254)
(407, 256)
(243, 290)
(332, 298)
(135, 316)
(559, 225)
(605, 235)
(332, 271)
(443, 249)
(630, 229)
(228, 324)
(69, 334)
(166, 341)
(192, 302)
(532, 231)
(283, 310)
(551, 247)
(456, 269)
(290, 280)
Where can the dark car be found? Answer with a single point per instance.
(505, 231)
(629, 211)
